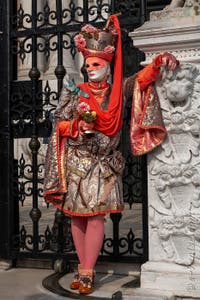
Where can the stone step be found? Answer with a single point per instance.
(150, 297)
(119, 287)
(106, 285)
(146, 294)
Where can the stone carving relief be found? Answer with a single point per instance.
(184, 3)
(181, 54)
(178, 8)
(174, 168)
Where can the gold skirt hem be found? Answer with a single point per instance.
(89, 212)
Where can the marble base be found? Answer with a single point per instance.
(118, 269)
(178, 298)
(147, 294)
(183, 281)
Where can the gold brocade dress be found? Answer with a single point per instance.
(93, 167)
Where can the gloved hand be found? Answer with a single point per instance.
(151, 72)
(166, 59)
(84, 126)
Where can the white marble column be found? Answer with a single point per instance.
(174, 167)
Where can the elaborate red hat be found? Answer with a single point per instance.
(95, 42)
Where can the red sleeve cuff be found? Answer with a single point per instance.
(68, 128)
(157, 62)
(147, 75)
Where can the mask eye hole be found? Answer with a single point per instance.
(96, 64)
(87, 66)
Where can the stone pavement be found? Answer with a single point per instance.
(26, 284)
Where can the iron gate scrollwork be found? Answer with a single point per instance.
(40, 37)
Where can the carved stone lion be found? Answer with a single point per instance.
(180, 104)
(179, 86)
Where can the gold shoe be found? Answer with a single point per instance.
(86, 281)
(76, 282)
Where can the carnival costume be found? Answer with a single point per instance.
(83, 172)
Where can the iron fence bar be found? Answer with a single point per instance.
(60, 73)
(34, 144)
(49, 30)
(143, 11)
(6, 142)
(85, 12)
(116, 220)
(112, 6)
(60, 70)
(73, 257)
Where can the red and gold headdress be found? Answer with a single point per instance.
(95, 42)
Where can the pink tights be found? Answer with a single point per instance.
(88, 234)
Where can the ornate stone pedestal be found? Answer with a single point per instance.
(174, 167)
(181, 280)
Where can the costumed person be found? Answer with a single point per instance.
(83, 169)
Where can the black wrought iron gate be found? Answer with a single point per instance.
(35, 37)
